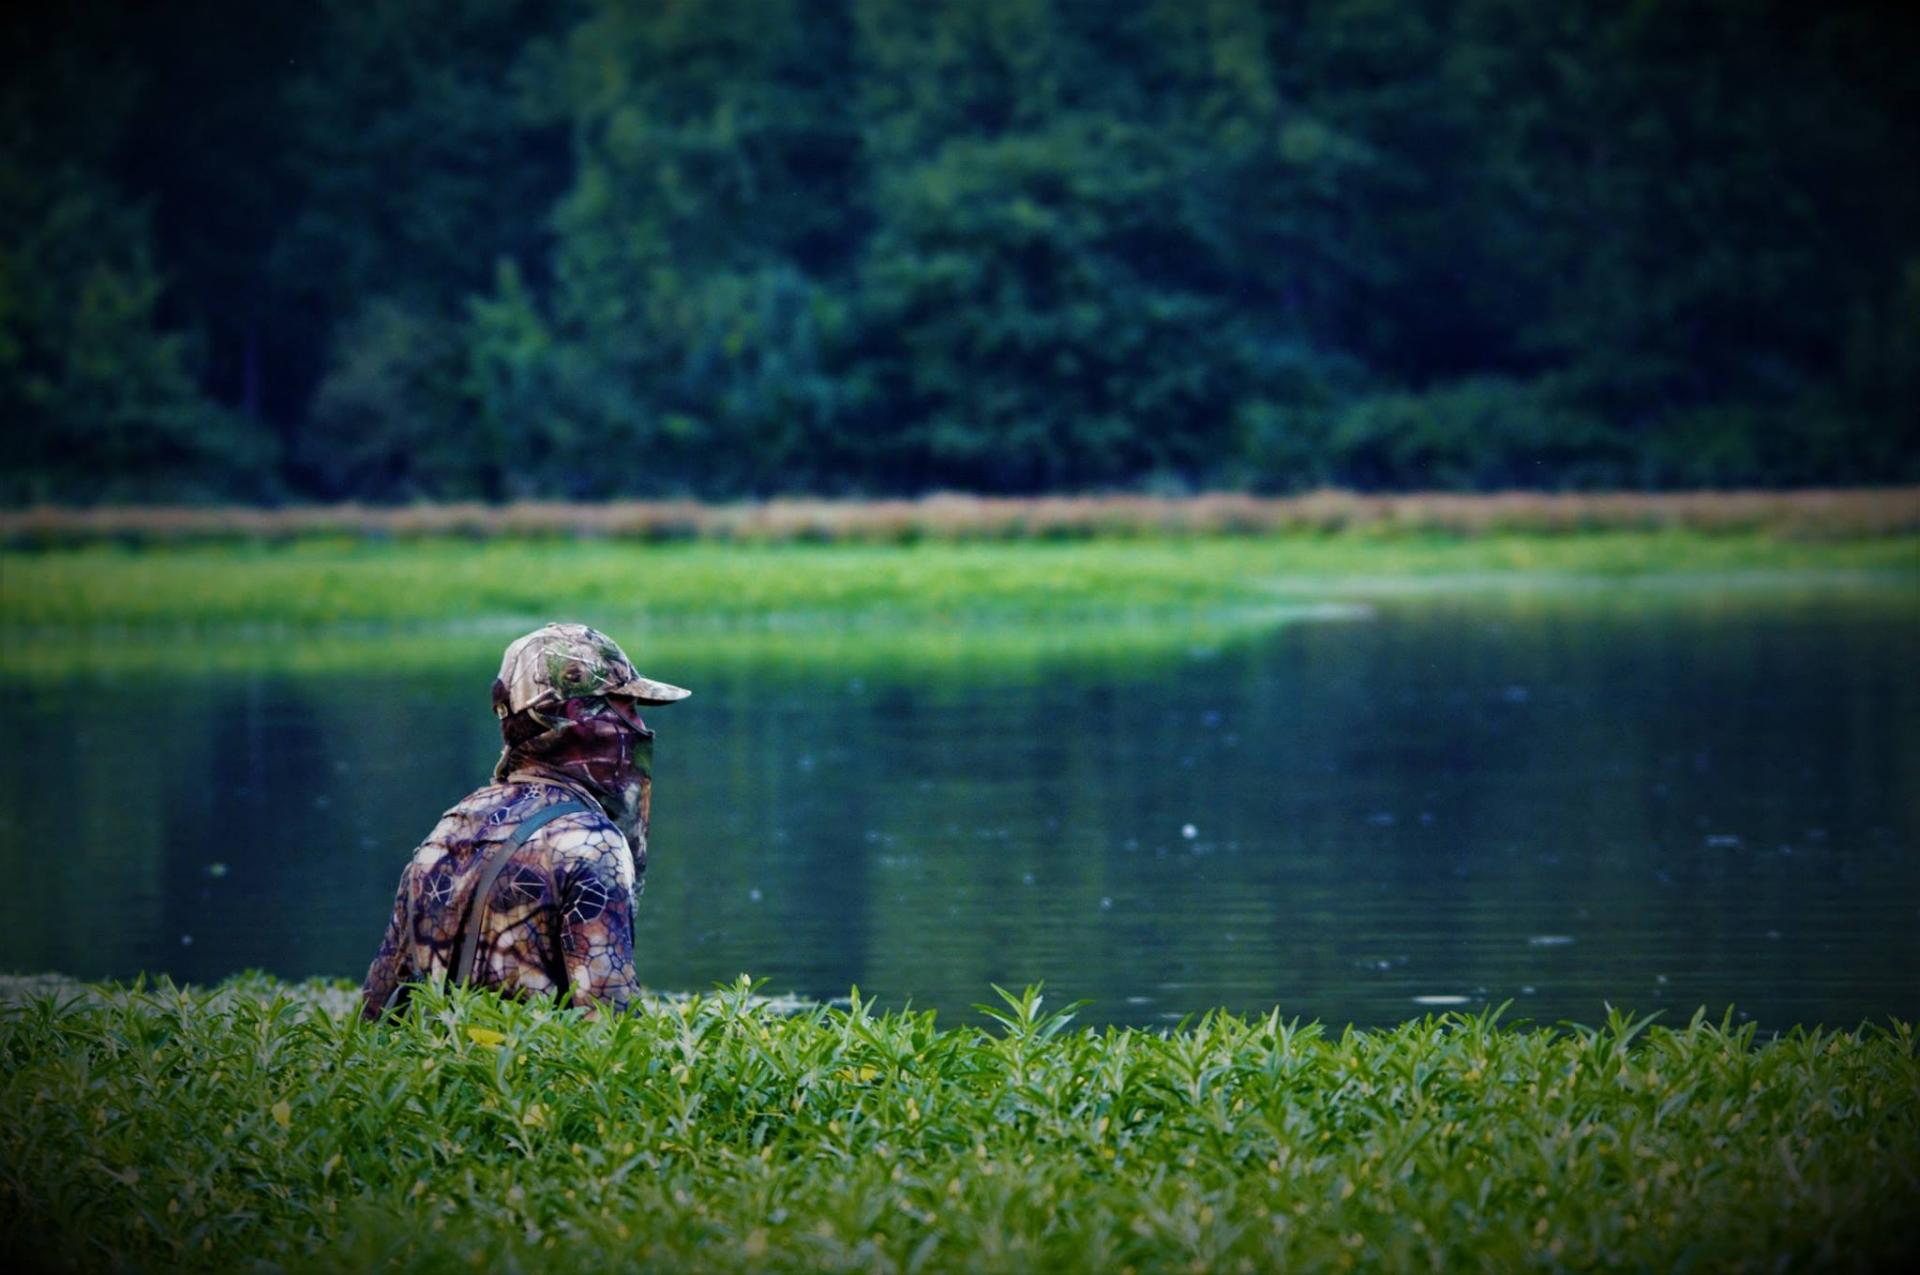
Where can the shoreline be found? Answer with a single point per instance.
(1813, 512)
(337, 998)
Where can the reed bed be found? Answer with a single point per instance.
(1804, 514)
(267, 1128)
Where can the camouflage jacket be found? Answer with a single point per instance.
(559, 917)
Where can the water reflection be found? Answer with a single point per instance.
(1456, 801)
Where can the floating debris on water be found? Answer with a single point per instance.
(216, 870)
(1439, 1000)
(1188, 831)
(1549, 940)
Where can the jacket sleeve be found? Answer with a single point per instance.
(596, 924)
(390, 963)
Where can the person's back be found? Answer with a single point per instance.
(527, 886)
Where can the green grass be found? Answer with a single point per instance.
(707, 585)
(313, 606)
(175, 1129)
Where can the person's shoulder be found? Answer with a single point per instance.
(469, 818)
(466, 819)
(585, 845)
(494, 811)
(583, 834)
(586, 830)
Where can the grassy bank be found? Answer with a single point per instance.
(174, 1130)
(709, 585)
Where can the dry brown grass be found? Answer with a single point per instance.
(1800, 514)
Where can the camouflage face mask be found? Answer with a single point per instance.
(597, 742)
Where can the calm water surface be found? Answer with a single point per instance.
(1561, 798)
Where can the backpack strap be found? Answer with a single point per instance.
(466, 957)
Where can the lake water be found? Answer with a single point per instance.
(1661, 798)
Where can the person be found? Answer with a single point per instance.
(527, 887)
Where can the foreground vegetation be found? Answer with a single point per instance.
(178, 1129)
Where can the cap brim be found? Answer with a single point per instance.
(648, 691)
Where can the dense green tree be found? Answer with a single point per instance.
(206, 148)
(612, 247)
(718, 191)
(1030, 340)
(99, 399)
(97, 391)
(388, 421)
(423, 162)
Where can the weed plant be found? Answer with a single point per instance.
(180, 1129)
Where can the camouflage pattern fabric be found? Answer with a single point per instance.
(566, 661)
(600, 744)
(559, 917)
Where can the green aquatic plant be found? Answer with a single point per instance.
(310, 584)
(320, 607)
(170, 1128)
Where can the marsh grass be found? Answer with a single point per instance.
(951, 517)
(178, 1129)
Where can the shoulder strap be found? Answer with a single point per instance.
(466, 957)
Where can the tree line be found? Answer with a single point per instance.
(502, 248)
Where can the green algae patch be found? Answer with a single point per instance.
(169, 1128)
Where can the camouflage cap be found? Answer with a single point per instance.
(571, 661)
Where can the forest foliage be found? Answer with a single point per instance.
(495, 249)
